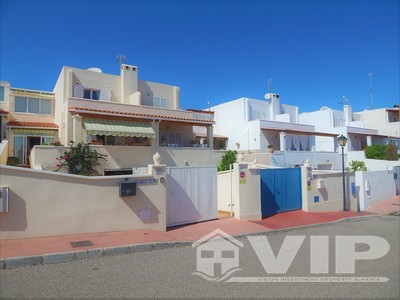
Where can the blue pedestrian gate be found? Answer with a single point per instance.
(280, 190)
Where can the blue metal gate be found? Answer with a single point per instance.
(280, 190)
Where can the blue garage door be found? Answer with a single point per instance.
(280, 190)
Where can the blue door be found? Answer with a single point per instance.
(280, 190)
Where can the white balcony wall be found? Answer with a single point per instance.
(150, 90)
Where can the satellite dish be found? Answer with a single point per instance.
(324, 108)
(267, 96)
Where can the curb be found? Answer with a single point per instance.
(62, 257)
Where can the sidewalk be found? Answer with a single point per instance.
(386, 207)
(33, 251)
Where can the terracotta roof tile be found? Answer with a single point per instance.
(201, 111)
(138, 114)
(32, 124)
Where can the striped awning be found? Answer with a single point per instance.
(34, 132)
(118, 128)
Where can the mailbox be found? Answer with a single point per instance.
(127, 188)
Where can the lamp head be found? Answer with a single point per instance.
(342, 140)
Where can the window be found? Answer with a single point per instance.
(21, 104)
(45, 106)
(160, 102)
(32, 105)
(2, 93)
(171, 139)
(91, 94)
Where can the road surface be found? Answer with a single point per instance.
(168, 273)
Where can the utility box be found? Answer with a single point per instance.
(3, 199)
(321, 184)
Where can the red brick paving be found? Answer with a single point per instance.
(300, 218)
(45, 245)
(386, 207)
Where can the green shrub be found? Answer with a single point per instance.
(391, 152)
(227, 159)
(12, 161)
(375, 152)
(356, 165)
(80, 160)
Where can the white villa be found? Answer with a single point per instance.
(121, 110)
(90, 106)
(362, 128)
(26, 120)
(257, 125)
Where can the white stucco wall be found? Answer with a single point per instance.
(240, 120)
(229, 121)
(326, 192)
(62, 204)
(225, 199)
(371, 164)
(378, 119)
(246, 192)
(323, 120)
(149, 90)
(3, 152)
(5, 105)
(117, 156)
(375, 186)
(172, 156)
(318, 160)
(109, 85)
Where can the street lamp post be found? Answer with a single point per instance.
(342, 140)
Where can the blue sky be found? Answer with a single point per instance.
(316, 52)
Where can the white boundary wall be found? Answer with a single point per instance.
(225, 199)
(50, 204)
(375, 186)
(43, 157)
(324, 190)
(372, 164)
(3, 152)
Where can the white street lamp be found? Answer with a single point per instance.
(342, 140)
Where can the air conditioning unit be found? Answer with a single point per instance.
(3, 199)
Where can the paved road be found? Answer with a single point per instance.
(168, 273)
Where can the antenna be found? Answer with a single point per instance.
(344, 101)
(370, 89)
(121, 59)
(269, 83)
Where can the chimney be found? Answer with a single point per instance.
(129, 82)
(275, 105)
(348, 114)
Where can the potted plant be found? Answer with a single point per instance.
(163, 140)
(270, 148)
(205, 143)
(12, 161)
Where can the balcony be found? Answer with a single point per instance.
(79, 105)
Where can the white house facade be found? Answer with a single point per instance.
(100, 108)
(257, 125)
(385, 120)
(26, 119)
(361, 129)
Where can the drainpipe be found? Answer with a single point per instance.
(155, 144)
(230, 171)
